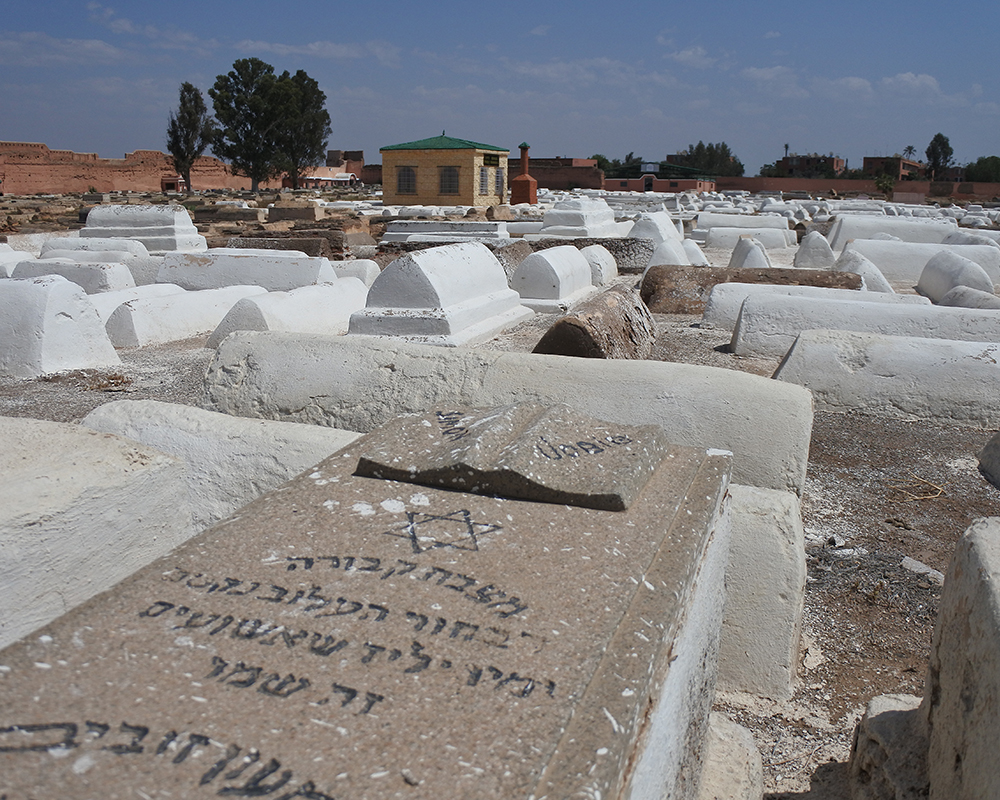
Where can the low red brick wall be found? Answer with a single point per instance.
(818, 186)
(30, 168)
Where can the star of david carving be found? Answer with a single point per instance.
(428, 531)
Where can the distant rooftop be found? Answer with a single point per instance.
(443, 142)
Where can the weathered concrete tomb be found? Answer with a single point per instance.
(451, 295)
(50, 325)
(351, 636)
(553, 280)
(161, 229)
(356, 383)
(274, 270)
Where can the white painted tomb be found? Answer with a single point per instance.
(347, 382)
(160, 229)
(79, 511)
(450, 295)
(695, 256)
(937, 379)
(228, 460)
(657, 225)
(603, 267)
(749, 253)
(848, 227)
(10, 258)
(363, 269)
(965, 297)
(765, 594)
(712, 219)
(723, 306)
(967, 237)
(92, 277)
(107, 302)
(325, 308)
(814, 252)
(553, 280)
(946, 270)
(130, 252)
(771, 238)
(963, 681)
(50, 325)
(668, 253)
(580, 218)
(871, 277)
(273, 270)
(443, 231)
(902, 262)
(768, 324)
(172, 317)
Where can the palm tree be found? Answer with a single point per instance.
(909, 151)
(786, 151)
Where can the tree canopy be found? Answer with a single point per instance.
(189, 132)
(712, 159)
(269, 124)
(939, 155)
(985, 169)
(305, 127)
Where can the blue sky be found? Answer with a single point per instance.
(570, 78)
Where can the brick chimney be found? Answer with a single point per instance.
(524, 188)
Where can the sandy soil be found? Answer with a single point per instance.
(879, 489)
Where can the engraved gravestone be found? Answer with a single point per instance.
(355, 637)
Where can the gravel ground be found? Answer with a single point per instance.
(879, 489)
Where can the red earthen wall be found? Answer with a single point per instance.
(31, 168)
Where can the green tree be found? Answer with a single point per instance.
(985, 169)
(909, 151)
(712, 159)
(189, 132)
(603, 162)
(305, 124)
(939, 155)
(247, 106)
(885, 184)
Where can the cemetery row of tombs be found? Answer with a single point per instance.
(502, 574)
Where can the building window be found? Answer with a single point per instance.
(499, 182)
(406, 180)
(484, 180)
(449, 180)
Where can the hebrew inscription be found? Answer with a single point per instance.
(526, 451)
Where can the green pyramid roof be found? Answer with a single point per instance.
(443, 142)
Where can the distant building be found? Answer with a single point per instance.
(567, 173)
(809, 166)
(444, 171)
(897, 167)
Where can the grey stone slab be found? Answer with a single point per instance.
(352, 637)
(526, 451)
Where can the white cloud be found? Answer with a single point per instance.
(696, 57)
(772, 35)
(845, 90)
(385, 53)
(170, 38)
(908, 82)
(541, 30)
(34, 49)
(781, 81)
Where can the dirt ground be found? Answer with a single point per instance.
(879, 489)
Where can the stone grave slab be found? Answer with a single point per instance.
(347, 636)
(685, 290)
(518, 451)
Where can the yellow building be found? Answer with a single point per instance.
(444, 171)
